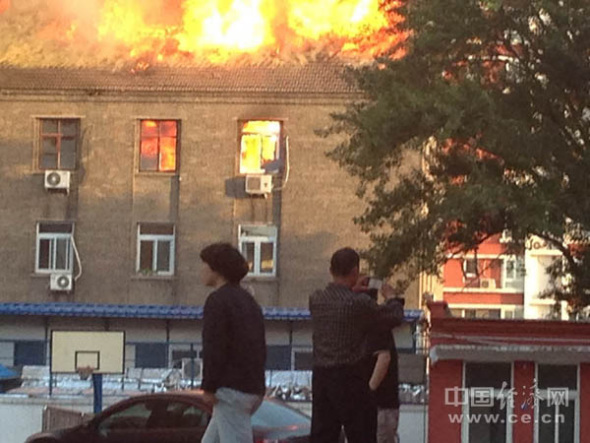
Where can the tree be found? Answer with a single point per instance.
(495, 98)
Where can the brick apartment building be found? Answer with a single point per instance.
(111, 182)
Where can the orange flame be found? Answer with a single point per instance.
(4, 5)
(217, 30)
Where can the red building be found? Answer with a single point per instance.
(487, 284)
(517, 381)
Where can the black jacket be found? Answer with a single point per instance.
(234, 346)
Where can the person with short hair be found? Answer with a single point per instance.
(234, 347)
(384, 381)
(342, 316)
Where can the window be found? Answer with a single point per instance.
(258, 244)
(158, 145)
(483, 313)
(556, 398)
(490, 410)
(58, 143)
(278, 358)
(31, 353)
(150, 355)
(127, 419)
(513, 273)
(470, 268)
(54, 247)
(259, 146)
(155, 254)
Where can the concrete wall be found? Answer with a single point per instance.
(21, 417)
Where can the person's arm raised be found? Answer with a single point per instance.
(391, 313)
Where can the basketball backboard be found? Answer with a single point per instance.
(103, 351)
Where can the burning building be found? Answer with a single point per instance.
(125, 151)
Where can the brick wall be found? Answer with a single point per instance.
(109, 197)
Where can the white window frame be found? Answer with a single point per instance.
(53, 237)
(572, 395)
(468, 275)
(156, 239)
(518, 266)
(242, 169)
(503, 308)
(258, 240)
(467, 403)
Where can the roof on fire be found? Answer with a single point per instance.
(311, 78)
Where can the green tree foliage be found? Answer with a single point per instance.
(495, 98)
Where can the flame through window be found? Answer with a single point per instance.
(259, 145)
(158, 145)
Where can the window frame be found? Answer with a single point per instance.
(54, 237)
(508, 312)
(38, 358)
(518, 267)
(58, 136)
(160, 347)
(466, 408)
(241, 132)
(573, 395)
(156, 239)
(258, 240)
(470, 275)
(177, 146)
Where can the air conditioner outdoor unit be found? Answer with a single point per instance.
(488, 283)
(187, 368)
(259, 184)
(61, 282)
(57, 180)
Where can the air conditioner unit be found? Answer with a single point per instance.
(61, 282)
(487, 283)
(187, 368)
(57, 180)
(258, 184)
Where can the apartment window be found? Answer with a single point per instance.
(30, 353)
(155, 249)
(258, 243)
(483, 313)
(513, 273)
(470, 268)
(556, 401)
(488, 385)
(259, 146)
(58, 143)
(158, 145)
(54, 247)
(150, 355)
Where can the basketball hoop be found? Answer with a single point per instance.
(85, 372)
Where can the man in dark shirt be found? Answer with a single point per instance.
(384, 384)
(234, 347)
(342, 318)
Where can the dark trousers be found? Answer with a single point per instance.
(341, 399)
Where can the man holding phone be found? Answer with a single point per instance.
(343, 316)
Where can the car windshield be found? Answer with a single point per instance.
(275, 415)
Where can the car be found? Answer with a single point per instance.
(176, 417)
